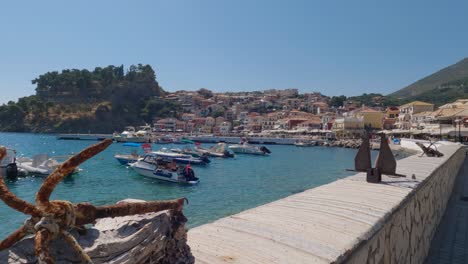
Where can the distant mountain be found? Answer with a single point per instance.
(448, 83)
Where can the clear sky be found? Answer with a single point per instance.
(335, 47)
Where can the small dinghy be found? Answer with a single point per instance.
(40, 165)
(219, 150)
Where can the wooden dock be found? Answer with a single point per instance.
(84, 136)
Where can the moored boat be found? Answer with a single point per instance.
(41, 164)
(219, 150)
(125, 159)
(305, 143)
(153, 167)
(180, 158)
(246, 148)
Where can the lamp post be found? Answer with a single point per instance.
(459, 121)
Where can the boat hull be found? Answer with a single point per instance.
(247, 151)
(126, 159)
(162, 174)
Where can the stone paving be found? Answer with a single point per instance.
(346, 221)
(450, 243)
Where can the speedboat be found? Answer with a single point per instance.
(153, 167)
(219, 150)
(180, 158)
(246, 148)
(125, 159)
(40, 165)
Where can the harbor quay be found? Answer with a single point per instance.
(346, 221)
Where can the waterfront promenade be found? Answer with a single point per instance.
(348, 220)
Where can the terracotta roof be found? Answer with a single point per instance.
(418, 103)
(425, 113)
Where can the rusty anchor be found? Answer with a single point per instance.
(384, 164)
(51, 219)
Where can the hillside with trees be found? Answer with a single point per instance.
(81, 101)
(448, 83)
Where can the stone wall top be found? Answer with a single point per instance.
(320, 225)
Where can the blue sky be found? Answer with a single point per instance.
(335, 47)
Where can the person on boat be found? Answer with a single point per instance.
(188, 172)
(173, 165)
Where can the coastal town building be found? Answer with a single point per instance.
(407, 111)
(391, 117)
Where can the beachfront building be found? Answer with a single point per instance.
(372, 118)
(407, 111)
(421, 120)
(224, 128)
(166, 124)
(391, 117)
(313, 123)
(348, 126)
(269, 121)
(254, 122)
(327, 120)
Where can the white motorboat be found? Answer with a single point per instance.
(246, 148)
(152, 167)
(125, 159)
(40, 165)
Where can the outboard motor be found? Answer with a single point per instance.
(205, 158)
(12, 171)
(265, 149)
(228, 154)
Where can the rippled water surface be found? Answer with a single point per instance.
(227, 186)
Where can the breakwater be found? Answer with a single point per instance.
(346, 221)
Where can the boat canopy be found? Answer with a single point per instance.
(131, 144)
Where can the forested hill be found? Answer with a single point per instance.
(99, 101)
(444, 78)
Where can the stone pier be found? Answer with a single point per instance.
(347, 221)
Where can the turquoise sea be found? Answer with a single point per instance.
(227, 186)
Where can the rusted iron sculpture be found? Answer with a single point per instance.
(51, 219)
(429, 151)
(384, 164)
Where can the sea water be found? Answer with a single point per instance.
(227, 186)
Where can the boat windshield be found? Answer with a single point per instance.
(150, 159)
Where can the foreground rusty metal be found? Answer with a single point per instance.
(51, 219)
(384, 164)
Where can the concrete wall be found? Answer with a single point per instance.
(406, 234)
(346, 221)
